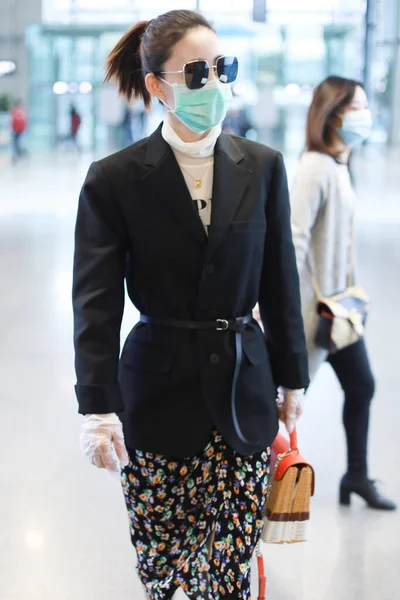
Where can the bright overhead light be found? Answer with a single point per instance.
(34, 539)
(85, 87)
(73, 88)
(7, 67)
(292, 89)
(60, 87)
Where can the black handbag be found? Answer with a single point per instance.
(342, 317)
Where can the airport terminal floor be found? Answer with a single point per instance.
(64, 530)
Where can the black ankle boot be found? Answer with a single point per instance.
(366, 489)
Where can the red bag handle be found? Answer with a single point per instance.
(292, 455)
(293, 441)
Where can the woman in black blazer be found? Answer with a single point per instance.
(197, 223)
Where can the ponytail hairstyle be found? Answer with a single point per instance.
(145, 48)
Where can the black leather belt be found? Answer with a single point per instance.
(235, 325)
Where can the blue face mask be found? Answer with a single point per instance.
(203, 109)
(356, 127)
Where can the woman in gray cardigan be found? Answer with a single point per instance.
(323, 204)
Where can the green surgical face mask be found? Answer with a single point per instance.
(201, 109)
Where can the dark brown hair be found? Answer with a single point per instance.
(145, 48)
(330, 98)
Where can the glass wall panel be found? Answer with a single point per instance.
(385, 69)
(41, 69)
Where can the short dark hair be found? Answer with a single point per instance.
(330, 98)
(145, 48)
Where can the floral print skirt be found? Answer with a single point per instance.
(195, 522)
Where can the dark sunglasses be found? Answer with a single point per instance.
(197, 71)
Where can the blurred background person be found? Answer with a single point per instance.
(18, 128)
(132, 127)
(75, 124)
(126, 127)
(237, 120)
(139, 119)
(323, 204)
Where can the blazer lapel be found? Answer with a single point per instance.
(168, 184)
(230, 182)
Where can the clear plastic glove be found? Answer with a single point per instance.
(256, 313)
(102, 440)
(290, 407)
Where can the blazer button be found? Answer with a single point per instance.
(214, 359)
(210, 269)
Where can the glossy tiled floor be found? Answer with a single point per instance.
(63, 529)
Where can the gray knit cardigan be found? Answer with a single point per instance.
(323, 202)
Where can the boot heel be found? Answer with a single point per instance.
(344, 498)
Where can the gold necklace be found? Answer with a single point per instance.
(197, 181)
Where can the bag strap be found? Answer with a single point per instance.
(351, 254)
(293, 441)
(350, 263)
(313, 278)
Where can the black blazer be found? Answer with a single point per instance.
(136, 222)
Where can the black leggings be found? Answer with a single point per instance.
(353, 370)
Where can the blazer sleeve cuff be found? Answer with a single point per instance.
(290, 371)
(99, 399)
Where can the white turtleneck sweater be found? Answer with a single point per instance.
(196, 160)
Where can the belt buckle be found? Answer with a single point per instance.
(224, 325)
